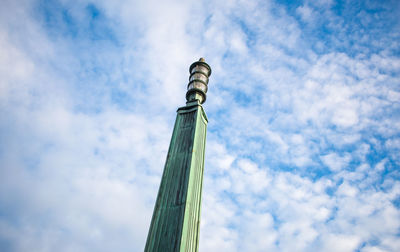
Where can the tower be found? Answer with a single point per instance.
(175, 224)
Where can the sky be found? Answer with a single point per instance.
(303, 138)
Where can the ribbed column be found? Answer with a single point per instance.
(175, 223)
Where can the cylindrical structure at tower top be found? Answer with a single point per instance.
(197, 88)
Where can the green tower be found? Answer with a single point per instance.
(175, 224)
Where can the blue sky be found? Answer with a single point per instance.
(304, 122)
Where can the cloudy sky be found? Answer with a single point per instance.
(304, 122)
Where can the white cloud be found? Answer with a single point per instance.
(306, 13)
(336, 162)
(340, 243)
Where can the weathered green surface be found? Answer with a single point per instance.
(176, 218)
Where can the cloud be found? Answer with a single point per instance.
(306, 13)
(336, 162)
